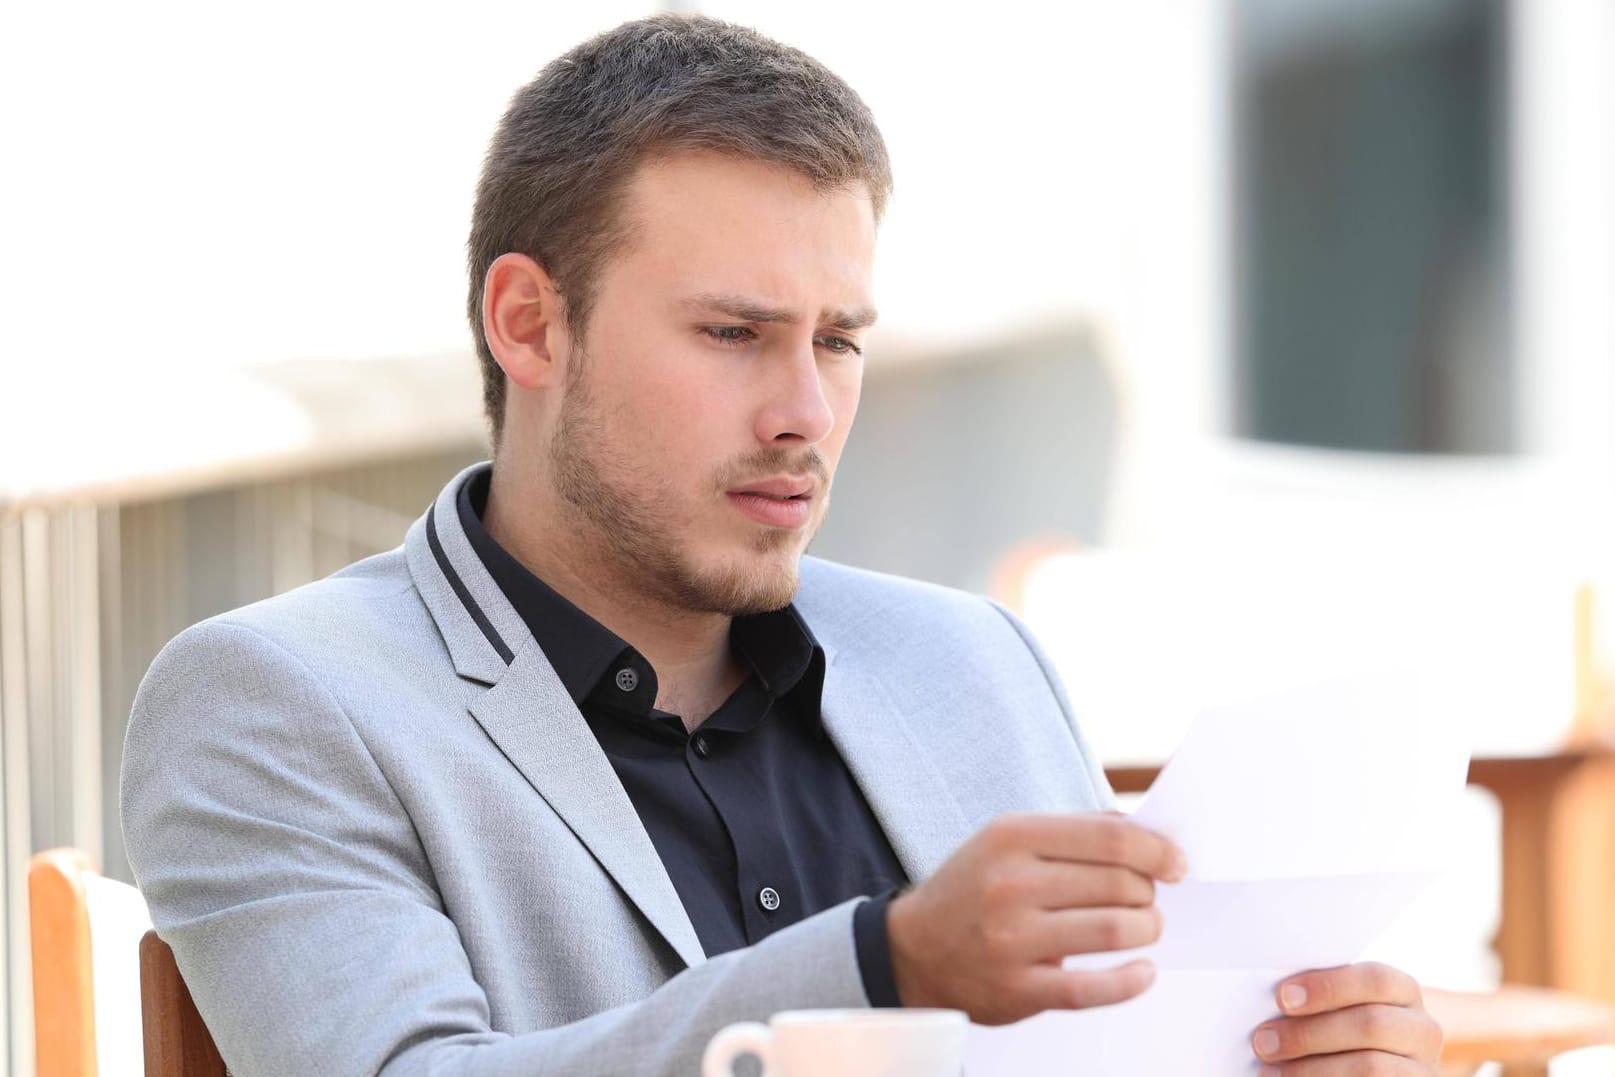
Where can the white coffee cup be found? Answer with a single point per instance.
(845, 1043)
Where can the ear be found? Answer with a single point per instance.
(521, 318)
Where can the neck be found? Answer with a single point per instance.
(696, 668)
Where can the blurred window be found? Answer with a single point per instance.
(1374, 299)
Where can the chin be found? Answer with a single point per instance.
(760, 583)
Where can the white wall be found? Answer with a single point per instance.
(197, 183)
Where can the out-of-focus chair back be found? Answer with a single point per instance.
(1593, 640)
(64, 984)
(84, 933)
(178, 1044)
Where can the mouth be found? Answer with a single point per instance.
(783, 502)
(783, 488)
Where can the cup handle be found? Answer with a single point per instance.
(745, 1038)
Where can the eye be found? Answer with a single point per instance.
(731, 335)
(840, 345)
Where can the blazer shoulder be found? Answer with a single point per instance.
(830, 581)
(274, 670)
(368, 608)
(834, 594)
(952, 653)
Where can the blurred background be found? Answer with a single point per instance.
(1236, 343)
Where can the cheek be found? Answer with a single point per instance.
(678, 419)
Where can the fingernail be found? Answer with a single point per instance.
(1180, 867)
(1292, 997)
(1267, 1042)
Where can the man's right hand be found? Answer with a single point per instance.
(987, 932)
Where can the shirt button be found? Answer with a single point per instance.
(702, 748)
(627, 679)
(768, 898)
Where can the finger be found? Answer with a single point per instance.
(1098, 839)
(1393, 1030)
(1050, 987)
(1356, 1064)
(1048, 937)
(1349, 985)
(1051, 884)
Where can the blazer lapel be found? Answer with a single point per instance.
(527, 712)
(535, 723)
(889, 761)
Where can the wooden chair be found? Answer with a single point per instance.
(81, 937)
(64, 985)
(178, 1044)
(1521, 1027)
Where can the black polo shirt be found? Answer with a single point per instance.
(755, 815)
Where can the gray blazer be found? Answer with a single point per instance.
(380, 837)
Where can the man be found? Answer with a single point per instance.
(597, 762)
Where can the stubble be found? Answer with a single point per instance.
(637, 525)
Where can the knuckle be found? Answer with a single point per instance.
(1001, 939)
(1108, 933)
(1000, 889)
(1136, 927)
(1122, 886)
(1113, 842)
(1376, 1024)
(1295, 1038)
(1102, 886)
(1381, 981)
(1155, 924)
(1077, 992)
(1378, 1064)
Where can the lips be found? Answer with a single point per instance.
(783, 488)
(784, 501)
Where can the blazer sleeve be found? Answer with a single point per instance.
(1095, 769)
(286, 875)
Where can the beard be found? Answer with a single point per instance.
(636, 526)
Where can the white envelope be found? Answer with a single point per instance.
(1310, 820)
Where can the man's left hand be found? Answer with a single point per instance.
(1353, 1020)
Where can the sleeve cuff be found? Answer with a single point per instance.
(875, 951)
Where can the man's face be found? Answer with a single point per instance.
(705, 412)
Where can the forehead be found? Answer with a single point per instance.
(707, 222)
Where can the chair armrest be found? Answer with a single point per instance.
(1517, 1025)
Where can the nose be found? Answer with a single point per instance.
(797, 408)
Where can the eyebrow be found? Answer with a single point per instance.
(748, 309)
